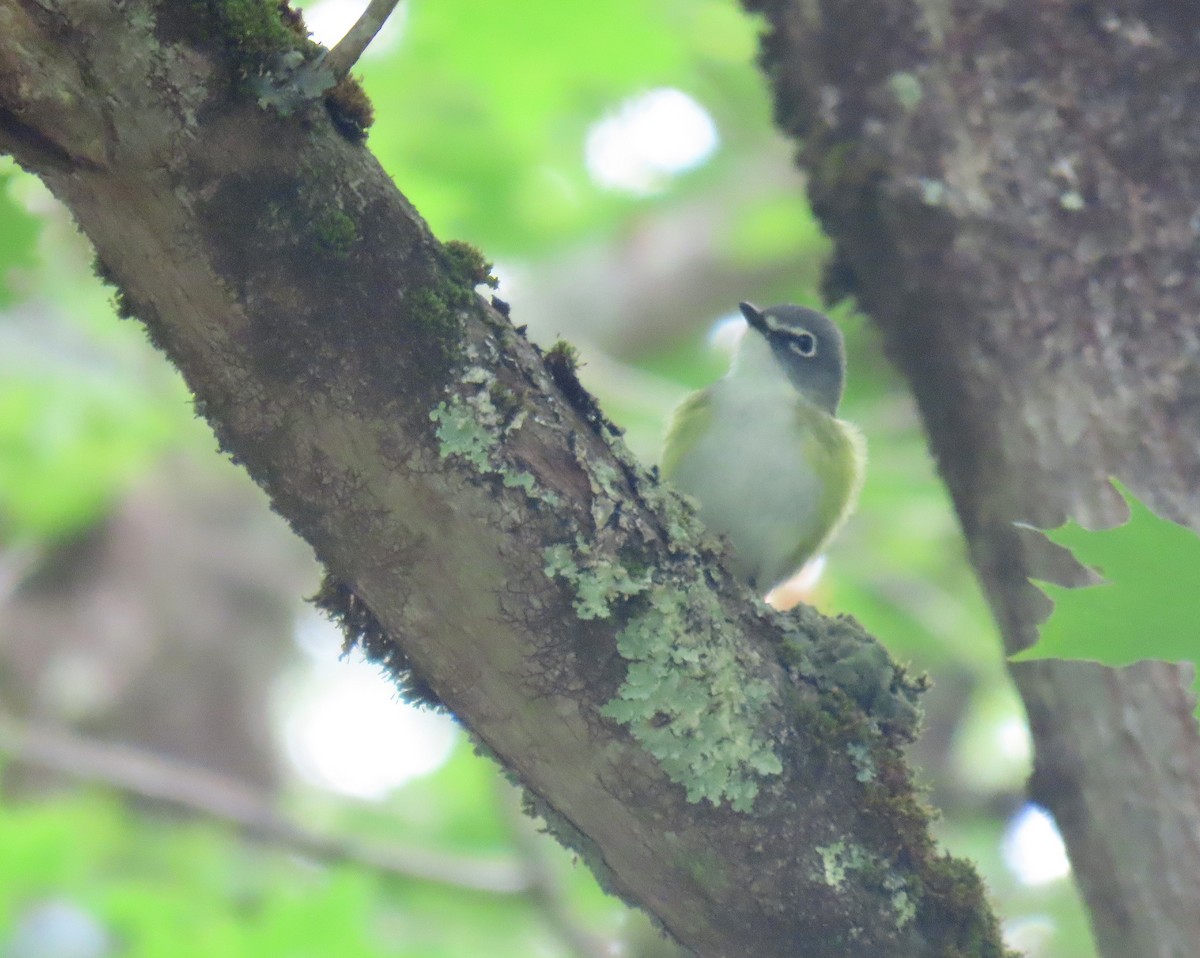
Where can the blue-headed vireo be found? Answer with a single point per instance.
(762, 450)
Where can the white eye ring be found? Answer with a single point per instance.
(804, 344)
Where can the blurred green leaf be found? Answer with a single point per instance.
(775, 227)
(49, 846)
(483, 112)
(68, 444)
(455, 807)
(487, 109)
(185, 889)
(18, 232)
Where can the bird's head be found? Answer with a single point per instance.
(807, 346)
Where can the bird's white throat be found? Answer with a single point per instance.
(755, 364)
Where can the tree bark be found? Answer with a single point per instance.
(736, 772)
(1013, 190)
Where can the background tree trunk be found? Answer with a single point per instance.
(1013, 190)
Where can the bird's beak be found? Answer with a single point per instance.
(754, 317)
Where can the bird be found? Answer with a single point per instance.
(762, 450)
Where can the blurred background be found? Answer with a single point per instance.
(618, 162)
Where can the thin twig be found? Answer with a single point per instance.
(202, 792)
(346, 51)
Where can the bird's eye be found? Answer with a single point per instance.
(805, 344)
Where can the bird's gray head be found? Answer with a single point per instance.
(809, 348)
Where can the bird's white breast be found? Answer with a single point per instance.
(752, 479)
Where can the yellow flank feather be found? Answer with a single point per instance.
(838, 451)
(688, 423)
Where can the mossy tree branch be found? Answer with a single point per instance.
(736, 772)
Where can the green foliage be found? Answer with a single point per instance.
(18, 231)
(687, 697)
(773, 223)
(68, 444)
(83, 407)
(178, 890)
(481, 93)
(454, 808)
(1147, 607)
(171, 888)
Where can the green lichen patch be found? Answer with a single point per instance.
(460, 435)
(687, 697)
(903, 904)
(841, 860)
(933, 192)
(864, 762)
(906, 89)
(598, 582)
(837, 860)
(472, 428)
